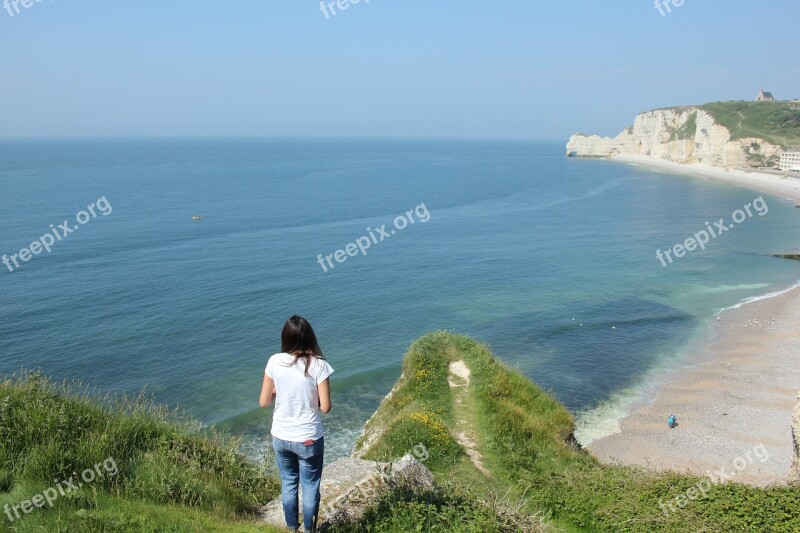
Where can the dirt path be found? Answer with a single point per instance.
(459, 380)
(768, 138)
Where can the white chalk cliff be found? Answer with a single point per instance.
(680, 135)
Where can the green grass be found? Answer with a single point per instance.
(102, 512)
(525, 437)
(689, 128)
(776, 122)
(158, 471)
(173, 475)
(420, 410)
(449, 507)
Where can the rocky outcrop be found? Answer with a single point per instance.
(350, 486)
(350, 505)
(374, 427)
(680, 135)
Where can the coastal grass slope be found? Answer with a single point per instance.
(162, 471)
(501, 449)
(776, 122)
(525, 439)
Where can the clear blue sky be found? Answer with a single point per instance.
(530, 69)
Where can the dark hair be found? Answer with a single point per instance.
(298, 339)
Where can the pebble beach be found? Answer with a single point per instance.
(733, 397)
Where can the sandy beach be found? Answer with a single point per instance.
(773, 183)
(735, 397)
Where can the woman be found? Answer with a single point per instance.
(297, 379)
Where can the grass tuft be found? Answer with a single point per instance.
(526, 440)
(144, 455)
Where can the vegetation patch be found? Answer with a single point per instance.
(689, 128)
(420, 410)
(776, 122)
(174, 475)
(527, 442)
(168, 468)
(417, 428)
(449, 507)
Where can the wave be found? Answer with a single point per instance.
(338, 443)
(605, 419)
(753, 299)
(731, 288)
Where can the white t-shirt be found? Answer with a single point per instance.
(297, 417)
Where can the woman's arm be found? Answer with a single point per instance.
(324, 390)
(267, 392)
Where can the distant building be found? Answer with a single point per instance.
(790, 162)
(764, 96)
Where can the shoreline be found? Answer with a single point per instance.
(778, 184)
(734, 395)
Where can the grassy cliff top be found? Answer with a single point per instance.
(499, 434)
(776, 122)
(500, 447)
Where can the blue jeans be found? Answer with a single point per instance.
(304, 462)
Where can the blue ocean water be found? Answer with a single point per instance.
(549, 260)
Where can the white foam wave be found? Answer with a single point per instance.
(731, 288)
(604, 420)
(753, 299)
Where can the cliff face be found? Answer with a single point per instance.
(685, 135)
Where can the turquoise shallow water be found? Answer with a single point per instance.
(520, 241)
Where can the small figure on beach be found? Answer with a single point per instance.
(672, 421)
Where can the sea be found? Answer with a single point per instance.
(175, 263)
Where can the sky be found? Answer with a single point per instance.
(507, 69)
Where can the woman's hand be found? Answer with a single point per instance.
(268, 392)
